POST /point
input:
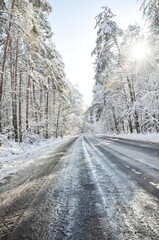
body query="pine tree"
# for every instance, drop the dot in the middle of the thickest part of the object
(33, 86)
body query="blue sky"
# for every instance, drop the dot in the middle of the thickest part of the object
(73, 23)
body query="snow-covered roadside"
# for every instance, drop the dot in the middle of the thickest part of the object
(148, 137)
(15, 157)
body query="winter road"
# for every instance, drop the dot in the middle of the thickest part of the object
(90, 187)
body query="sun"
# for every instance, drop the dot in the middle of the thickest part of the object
(139, 51)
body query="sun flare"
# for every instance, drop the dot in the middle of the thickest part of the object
(139, 51)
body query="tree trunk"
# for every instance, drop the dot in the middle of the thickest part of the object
(47, 113)
(3, 64)
(115, 120)
(133, 99)
(130, 90)
(20, 108)
(136, 119)
(27, 105)
(57, 121)
(14, 99)
(130, 125)
(35, 110)
(41, 108)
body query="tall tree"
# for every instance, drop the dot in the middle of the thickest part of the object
(124, 81)
(32, 77)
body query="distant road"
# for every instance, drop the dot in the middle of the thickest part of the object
(89, 188)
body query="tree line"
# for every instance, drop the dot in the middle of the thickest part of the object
(35, 95)
(126, 90)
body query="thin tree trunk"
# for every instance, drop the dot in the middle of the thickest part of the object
(3, 65)
(12, 79)
(130, 125)
(127, 106)
(27, 104)
(15, 117)
(35, 110)
(115, 120)
(47, 112)
(136, 119)
(57, 121)
(20, 108)
(41, 108)
(133, 98)
(130, 90)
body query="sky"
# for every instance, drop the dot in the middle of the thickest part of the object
(73, 24)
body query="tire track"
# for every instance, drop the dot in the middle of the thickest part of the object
(25, 189)
(132, 213)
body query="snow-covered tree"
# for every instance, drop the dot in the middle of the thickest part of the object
(125, 76)
(33, 85)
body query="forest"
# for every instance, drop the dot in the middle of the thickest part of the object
(36, 98)
(126, 90)
(67, 170)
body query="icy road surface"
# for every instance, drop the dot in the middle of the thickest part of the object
(88, 188)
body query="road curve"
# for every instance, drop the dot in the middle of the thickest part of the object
(90, 188)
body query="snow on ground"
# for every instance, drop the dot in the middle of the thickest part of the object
(15, 156)
(148, 137)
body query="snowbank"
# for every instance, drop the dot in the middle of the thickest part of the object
(148, 137)
(15, 156)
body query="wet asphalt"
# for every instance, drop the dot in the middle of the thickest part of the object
(83, 190)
